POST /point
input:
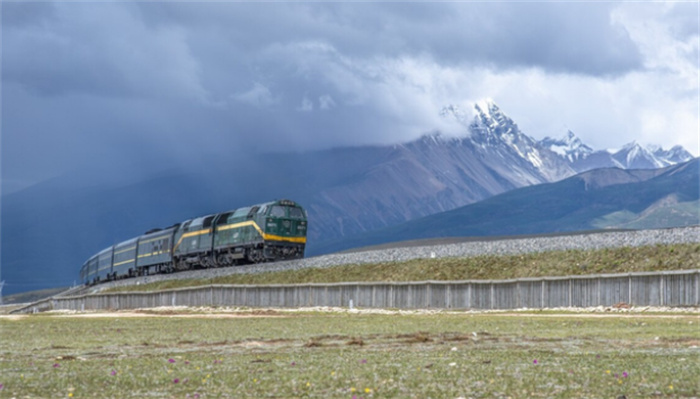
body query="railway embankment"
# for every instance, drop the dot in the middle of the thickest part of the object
(665, 288)
(468, 248)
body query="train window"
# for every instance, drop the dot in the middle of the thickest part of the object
(223, 218)
(196, 224)
(239, 213)
(207, 221)
(278, 211)
(252, 211)
(295, 213)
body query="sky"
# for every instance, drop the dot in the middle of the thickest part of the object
(159, 83)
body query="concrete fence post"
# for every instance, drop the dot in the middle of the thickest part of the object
(428, 295)
(543, 289)
(448, 296)
(629, 289)
(697, 288)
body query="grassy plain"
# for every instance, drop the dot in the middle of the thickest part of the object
(285, 354)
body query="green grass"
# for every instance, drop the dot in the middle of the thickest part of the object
(345, 355)
(555, 263)
(669, 215)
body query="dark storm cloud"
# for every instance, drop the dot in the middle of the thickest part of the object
(199, 49)
(564, 37)
(571, 37)
(179, 81)
(96, 49)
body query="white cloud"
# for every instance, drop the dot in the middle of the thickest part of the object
(258, 95)
(306, 105)
(651, 27)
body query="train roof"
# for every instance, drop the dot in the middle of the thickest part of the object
(157, 232)
(283, 202)
(246, 209)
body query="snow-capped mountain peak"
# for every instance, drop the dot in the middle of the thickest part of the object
(676, 154)
(499, 136)
(486, 114)
(486, 106)
(634, 156)
(490, 115)
(569, 147)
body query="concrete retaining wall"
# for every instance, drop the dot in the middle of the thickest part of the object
(673, 289)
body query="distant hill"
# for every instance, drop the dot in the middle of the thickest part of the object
(32, 296)
(602, 198)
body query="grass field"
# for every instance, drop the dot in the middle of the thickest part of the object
(274, 354)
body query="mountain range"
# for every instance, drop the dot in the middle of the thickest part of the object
(51, 228)
(436, 173)
(598, 199)
(632, 156)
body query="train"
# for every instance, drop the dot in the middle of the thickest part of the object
(265, 232)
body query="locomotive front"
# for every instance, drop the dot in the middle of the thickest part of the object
(284, 224)
(262, 233)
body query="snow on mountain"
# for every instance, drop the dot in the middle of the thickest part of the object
(569, 147)
(583, 158)
(676, 154)
(493, 130)
(552, 159)
(634, 156)
(596, 160)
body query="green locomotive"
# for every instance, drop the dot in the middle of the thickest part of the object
(261, 233)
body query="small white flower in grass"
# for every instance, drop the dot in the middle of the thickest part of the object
(453, 364)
